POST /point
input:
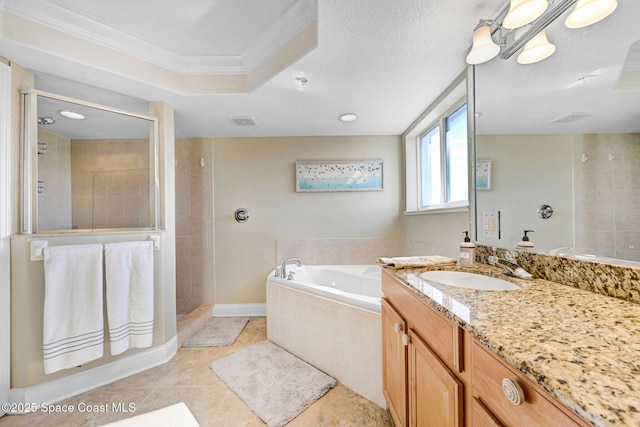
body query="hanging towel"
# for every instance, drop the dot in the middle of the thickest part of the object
(73, 328)
(416, 261)
(129, 277)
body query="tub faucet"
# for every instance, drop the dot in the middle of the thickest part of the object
(283, 269)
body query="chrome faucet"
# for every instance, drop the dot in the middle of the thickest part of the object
(283, 268)
(510, 268)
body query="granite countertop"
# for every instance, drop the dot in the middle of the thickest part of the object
(582, 347)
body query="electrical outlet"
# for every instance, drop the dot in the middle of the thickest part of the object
(491, 224)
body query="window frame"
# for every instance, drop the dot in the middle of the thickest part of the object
(441, 124)
(448, 102)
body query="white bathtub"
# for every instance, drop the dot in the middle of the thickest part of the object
(329, 316)
(353, 284)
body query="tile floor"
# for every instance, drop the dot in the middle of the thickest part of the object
(188, 378)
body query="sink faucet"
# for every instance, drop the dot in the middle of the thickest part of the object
(283, 268)
(510, 268)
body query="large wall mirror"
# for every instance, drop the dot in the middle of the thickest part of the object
(87, 166)
(563, 133)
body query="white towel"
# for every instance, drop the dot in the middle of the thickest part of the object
(416, 261)
(129, 277)
(73, 328)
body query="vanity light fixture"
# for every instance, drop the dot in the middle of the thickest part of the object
(537, 49)
(523, 12)
(348, 117)
(589, 12)
(484, 48)
(71, 114)
(523, 25)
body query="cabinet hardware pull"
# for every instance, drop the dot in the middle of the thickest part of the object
(405, 339)
(397, 327)
(512, 391)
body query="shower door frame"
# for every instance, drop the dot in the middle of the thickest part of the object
(5, 231)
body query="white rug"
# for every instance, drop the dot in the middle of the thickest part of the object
(276, 385)
(171, 416)
(217, 331)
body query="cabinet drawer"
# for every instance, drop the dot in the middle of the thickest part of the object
(440, 333)
(536, 409)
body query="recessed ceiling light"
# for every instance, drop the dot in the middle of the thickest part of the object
(348, 117)
(71, 115)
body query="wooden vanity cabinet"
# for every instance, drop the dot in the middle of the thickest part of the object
(435, 394)
(437, 375)
(536, 408)
(421, 351)
(394, 364)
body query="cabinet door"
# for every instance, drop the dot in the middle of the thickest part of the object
(481, 417)
(394, 363)
(435, 394)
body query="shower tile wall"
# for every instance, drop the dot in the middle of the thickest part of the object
(110, 181)
(607, 195)
(194, 224)
(54, 174)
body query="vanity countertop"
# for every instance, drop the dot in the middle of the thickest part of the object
(582, 347)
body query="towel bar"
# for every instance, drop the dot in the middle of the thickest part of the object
(156, 242)
(36, 249)
(37, 245)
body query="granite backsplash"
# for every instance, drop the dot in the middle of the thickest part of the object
(596, 276)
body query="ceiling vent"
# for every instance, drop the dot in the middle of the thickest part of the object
(570, 118)
(242, 120)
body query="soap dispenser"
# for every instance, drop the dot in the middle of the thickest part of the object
(525, 243)
(467, 252)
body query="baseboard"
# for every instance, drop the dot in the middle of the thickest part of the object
(233, 310)
(81, 382)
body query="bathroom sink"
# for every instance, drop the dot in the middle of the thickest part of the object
(461, 279)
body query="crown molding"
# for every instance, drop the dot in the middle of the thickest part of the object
(294, 20)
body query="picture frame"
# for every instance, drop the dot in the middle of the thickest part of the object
(483, 175)
(339, 175)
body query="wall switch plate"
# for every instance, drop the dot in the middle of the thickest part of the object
(490, 224)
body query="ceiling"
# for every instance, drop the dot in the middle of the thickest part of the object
(384, 60)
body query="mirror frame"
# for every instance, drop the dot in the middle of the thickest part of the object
(29, 181)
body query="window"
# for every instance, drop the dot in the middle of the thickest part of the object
(436, 159)
(442, 157)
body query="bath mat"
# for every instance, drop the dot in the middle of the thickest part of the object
(217, 331)
(174, 415)
(276, 385)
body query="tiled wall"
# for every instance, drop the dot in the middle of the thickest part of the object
(194, 224)
(337, 251)
(54, 176)
(607, 195)
(340, 339)
(110, 180)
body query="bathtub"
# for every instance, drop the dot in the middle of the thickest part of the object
(352, 284)
(329, 316)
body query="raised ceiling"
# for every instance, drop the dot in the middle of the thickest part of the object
(216, 60)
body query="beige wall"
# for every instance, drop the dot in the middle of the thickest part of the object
(434, 234)
(259, 174)
(516, 159)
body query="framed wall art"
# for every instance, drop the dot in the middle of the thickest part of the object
(339, 175)
(483, 175)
